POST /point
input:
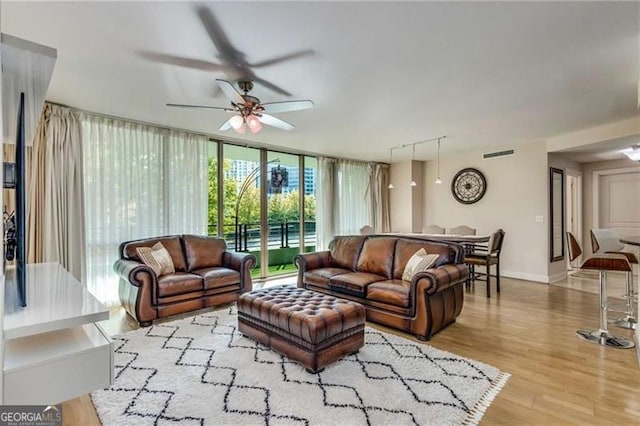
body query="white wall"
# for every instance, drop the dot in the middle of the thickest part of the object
(417, 196)
(516, 194)
(400, 197)
(558, 269)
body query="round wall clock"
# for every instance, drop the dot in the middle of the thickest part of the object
(468, 186)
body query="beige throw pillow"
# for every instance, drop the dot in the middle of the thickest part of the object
(157, 258)
(420, 261)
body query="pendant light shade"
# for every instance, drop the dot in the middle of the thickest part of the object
(413, 182)
(236, 122)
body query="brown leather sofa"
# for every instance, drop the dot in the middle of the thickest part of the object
(368, 270)
(206, 274)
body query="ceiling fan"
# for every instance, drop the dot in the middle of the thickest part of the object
(232, 62)
(249, 111)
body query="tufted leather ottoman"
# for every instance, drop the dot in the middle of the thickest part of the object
(312, 328)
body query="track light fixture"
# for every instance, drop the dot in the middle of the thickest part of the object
(413, 155)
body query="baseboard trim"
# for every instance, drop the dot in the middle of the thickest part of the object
(527, 277)
(557, 277)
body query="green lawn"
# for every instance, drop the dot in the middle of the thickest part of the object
(275, 270)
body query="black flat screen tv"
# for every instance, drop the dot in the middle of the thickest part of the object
(20, 189)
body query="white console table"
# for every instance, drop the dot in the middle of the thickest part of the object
(54, 351)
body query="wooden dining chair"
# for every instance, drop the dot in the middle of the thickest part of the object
(434, 229)
(487, 257)
(367, 230)
(462, 230)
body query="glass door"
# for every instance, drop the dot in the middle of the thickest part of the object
(283, 211)
(241, 201)
(309, 227)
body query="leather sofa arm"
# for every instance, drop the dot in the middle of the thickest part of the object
(308, 261)
(129, 269)
(137, 290)
(440, 278)
(243, 263)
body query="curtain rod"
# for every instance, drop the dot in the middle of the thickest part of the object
(213, 138)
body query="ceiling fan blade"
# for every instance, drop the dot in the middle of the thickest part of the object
(226, 125)
(216, 33)
(270, 120)
(272, 107)
(230, 91)
(200, 106)
(271, 86)
(283, 58)
(182, 61)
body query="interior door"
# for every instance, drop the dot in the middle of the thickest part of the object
(573, 204)
(619, 203)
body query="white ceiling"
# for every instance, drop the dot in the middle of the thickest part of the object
(383, 74)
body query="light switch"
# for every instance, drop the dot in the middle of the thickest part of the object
(539, 219)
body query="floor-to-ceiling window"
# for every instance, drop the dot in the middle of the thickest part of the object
(283, 211)
(212, 189)
(309, 194)
(271, 216)
(241, 200)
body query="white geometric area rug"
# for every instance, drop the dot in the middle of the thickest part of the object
(202, 371)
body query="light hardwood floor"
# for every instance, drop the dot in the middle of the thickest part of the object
(529, 332)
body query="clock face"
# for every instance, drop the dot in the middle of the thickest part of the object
(468, 186)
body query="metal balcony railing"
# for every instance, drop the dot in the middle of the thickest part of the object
(246, 236)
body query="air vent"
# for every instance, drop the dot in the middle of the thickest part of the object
(498, 154)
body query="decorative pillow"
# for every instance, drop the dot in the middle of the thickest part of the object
(157, 258)
(420, 261)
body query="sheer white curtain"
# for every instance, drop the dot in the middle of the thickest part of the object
(140, 181)
(187, 183)
(342, 199)
(124, 194)
(351, 212)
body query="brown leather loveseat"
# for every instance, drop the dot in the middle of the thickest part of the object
(206, 274)
(368, 269)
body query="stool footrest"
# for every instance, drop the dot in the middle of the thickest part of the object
(627, 322)
(603, 338)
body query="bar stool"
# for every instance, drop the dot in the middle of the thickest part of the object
(607, 241)
(601, 263)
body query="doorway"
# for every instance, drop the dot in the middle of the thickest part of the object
(573, 210)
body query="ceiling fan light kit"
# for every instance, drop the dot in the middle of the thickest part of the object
(249, 111)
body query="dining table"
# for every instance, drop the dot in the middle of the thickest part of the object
(446, 237)
(634, 240)
(469, 242)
